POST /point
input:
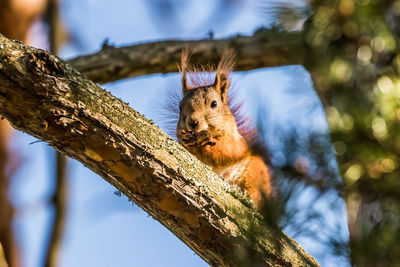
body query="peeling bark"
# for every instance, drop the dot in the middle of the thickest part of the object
(43, 96)
(265, 48)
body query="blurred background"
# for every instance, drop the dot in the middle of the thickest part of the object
(100, 226)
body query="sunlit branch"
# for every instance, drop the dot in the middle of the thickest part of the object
(265, 48)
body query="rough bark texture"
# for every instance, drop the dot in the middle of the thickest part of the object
(266, 48)
(46, 98)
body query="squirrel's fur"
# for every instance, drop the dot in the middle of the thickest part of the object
(211, 127)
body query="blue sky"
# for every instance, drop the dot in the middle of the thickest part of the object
(102, 228)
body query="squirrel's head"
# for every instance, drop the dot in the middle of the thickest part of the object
(205, 106)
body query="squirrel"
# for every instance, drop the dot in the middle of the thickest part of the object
(208, 129)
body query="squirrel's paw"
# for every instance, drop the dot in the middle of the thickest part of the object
(204, 138)
(186, 138)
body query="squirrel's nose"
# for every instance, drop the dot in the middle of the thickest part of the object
(193, 123)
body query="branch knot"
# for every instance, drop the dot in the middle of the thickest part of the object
(42, 61)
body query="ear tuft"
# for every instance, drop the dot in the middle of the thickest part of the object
(184, 68)
(224, 68)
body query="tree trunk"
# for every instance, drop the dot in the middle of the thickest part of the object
(357, 83)
(59, 198)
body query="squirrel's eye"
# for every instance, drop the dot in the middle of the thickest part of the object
(214, 104)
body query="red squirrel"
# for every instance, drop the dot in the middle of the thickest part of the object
(208, 129)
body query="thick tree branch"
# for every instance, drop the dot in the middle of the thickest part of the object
(46, 98)
(265, 48)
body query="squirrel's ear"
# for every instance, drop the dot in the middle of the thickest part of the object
(221, 84)
(224, 68)
(183, 68)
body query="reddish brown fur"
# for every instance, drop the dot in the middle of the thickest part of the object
(216, 133)
(200, 76)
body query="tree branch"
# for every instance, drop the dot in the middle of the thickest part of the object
(43, 96)
(265, 48)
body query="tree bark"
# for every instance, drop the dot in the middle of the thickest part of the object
(43, 96)
(265, 48)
